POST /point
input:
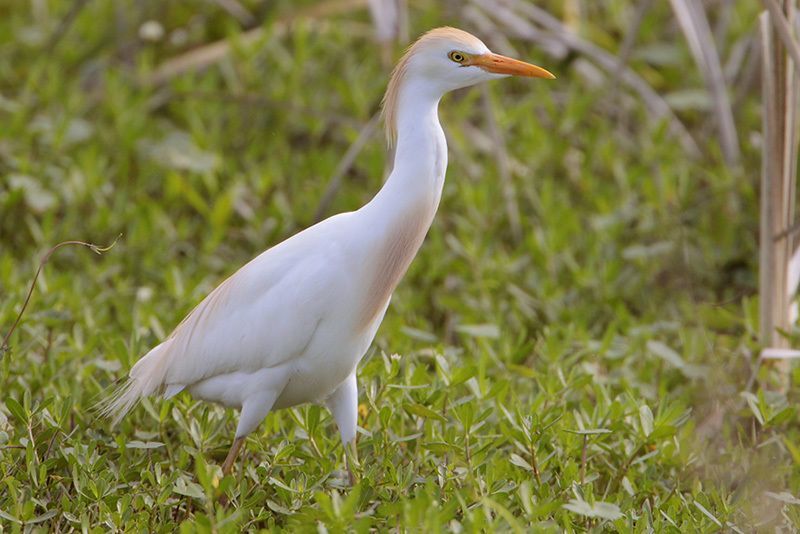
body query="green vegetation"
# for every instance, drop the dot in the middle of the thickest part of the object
(592, 368)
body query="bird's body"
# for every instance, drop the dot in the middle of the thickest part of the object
(291, 325)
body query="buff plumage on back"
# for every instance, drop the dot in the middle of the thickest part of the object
(392, 95)
(149, 375)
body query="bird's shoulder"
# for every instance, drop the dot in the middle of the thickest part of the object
(266, 310)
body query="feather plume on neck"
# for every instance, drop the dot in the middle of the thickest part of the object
(392, 96)
(391, 99)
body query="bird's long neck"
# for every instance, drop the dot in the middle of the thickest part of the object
(415, 183)
(401, 213)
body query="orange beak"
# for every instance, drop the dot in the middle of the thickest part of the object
(498, 64)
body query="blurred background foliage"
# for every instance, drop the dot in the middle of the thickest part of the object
(576, 336)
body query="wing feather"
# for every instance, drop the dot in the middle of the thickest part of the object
(263, 315)
(258, 318)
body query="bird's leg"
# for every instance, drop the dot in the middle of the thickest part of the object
(351, 460)
(232, 454)
(343, 404)
(254, 409)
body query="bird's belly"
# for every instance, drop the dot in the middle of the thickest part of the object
(311, 386)
(234, 388)
(330, 357)
(313, 379)
(326, 364)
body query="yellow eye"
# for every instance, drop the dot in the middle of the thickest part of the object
(458, 57)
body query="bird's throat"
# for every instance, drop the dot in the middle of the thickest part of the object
(392, 261)
(404, 208)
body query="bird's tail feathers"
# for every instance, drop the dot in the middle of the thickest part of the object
(146, 378)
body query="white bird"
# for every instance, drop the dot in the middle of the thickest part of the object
(291, 325)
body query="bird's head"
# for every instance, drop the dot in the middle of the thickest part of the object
(445, 59)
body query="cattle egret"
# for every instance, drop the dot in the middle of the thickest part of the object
(291, 326)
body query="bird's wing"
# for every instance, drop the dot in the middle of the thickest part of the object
(263, 315)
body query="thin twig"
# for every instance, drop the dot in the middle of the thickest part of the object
(624, 54)
(754, 372)
(629, 40)
(780, 23)
(503, 167)
(237, 11)
(206, 55)
(778, 182)
(534, 463)
(386, 19)
(65, 23)
(791, 230)
(95, 248)
(630, 37)
(367, 131)
(697, 30)
(623, 470)
(583, 458)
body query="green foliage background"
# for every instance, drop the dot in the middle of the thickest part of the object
(593, 372)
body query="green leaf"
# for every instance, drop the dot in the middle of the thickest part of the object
(602, 510)
(314, 413)
(178, 151)
(462, 374)
(646, 419)
(752, 402)
(783, 496)
(188, 488)
(666, 353)
(793, 449)
(707, 513)
(43, 517)
(275, 507)
(519, 461)
(503, 512)
(491, 331)
(782, 416)
(16, 409)
(136, 444)
(9, 517)
(423, 411)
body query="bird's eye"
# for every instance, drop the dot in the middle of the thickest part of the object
(458, 57)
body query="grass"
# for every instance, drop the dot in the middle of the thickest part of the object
(594, 372)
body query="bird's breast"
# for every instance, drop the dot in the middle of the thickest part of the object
(390, 261)
(330, 358)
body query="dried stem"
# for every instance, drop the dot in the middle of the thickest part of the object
(782, 25)
(207, 55)
(520, 19)
(583, 458)
(95, 248)
(534, 463)
(345, 164)
(778, 177)
(503, 166)
(65, 23)
(693, 21)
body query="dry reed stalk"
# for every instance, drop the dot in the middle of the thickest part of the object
(4, 347)
(778, 184)
(204, 56)
(500, 152)
(695, 26)
(529, 22)
(345, 164)
(390, 19)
